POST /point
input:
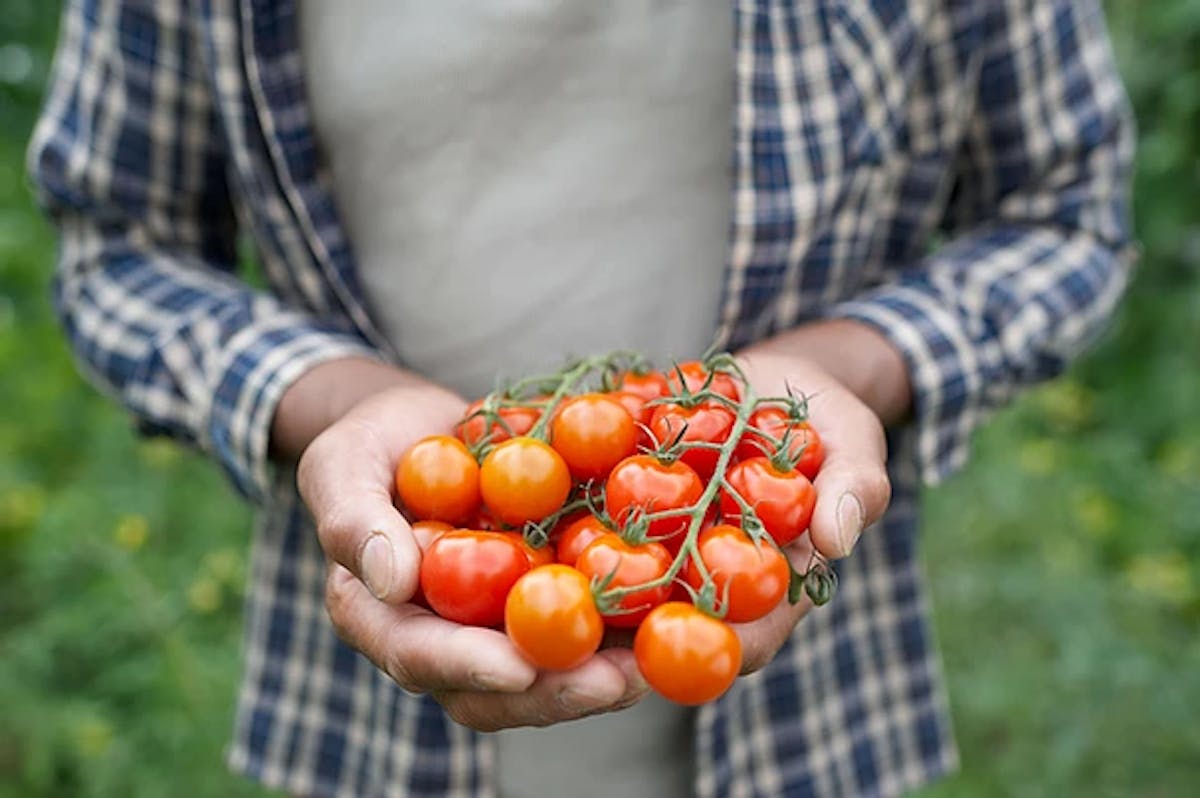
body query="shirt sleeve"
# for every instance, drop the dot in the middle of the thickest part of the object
(1039, 251)
(129, 162)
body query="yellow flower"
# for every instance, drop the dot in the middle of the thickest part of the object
(1179, 460)
(1039, 456)
(131, 532)
(160, 453)
(1065, 403)
(1164, 577)
(21, 506)
(1095, 511)
(93, 736)
(224, 565)
(204, 595)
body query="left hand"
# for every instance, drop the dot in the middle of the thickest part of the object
(853, 489)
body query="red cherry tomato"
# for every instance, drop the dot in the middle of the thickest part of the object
(649, 385)
(755, 578)
(694, 376)
(474, 428)
(636, 406)
(551, 618)
(642, 484)
(578, 536)
(629, 566)
(437, 479)
(782, 500)
(466, 575)
(707, 422)
(805, 443)
(523, 479)
(687, 656)
(593, 432)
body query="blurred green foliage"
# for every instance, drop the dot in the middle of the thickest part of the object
(1065, 561)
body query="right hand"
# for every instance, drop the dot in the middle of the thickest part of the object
(345, 478)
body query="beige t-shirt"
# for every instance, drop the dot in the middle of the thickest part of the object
(521, 182)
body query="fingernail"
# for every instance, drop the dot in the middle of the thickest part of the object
(586, 699)
(849, 521)
(377, 564)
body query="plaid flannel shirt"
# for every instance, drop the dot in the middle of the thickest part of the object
(954, 174)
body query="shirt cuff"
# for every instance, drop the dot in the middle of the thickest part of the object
(259, 363)
(943, 364)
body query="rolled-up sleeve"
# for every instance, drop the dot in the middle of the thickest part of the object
(129, 161)
(1040, 248)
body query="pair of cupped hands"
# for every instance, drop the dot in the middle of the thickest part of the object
(349, 420)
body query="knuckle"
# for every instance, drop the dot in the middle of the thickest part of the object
(337, 596)
(461, 710)
(400, 671)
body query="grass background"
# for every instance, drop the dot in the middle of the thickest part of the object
(1065, 561)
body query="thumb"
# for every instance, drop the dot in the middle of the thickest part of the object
(345, 479)
(853, 489)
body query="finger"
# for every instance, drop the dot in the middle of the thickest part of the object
(853, 489)
(345, 478)
(418, 650)
(606, 682)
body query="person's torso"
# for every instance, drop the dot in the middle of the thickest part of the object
(520, 185)
(526, 182)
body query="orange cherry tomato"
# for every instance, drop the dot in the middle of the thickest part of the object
(437, 479)
(523, 479)
(551, 618)
(687, 656)
(593, 432)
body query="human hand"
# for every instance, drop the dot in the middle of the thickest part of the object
(345, 478)
(853, 489)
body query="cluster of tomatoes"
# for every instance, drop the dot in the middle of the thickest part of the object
(613, 496)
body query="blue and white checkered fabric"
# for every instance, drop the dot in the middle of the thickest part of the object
(953, 173)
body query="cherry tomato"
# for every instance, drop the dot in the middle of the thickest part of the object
(543, 555)
(649, 385)
(805, 443)
(782, 500)
(629, 566)
(578, 536)
(437, 479)
(474, 428)
(523, 479)
(593, 432)
(687, 656)
(425, 532)
(551, 618)
(694, 375)
(634, 405)
(707, 422)
(755, 578)
(644, 484)
(466, 575)
(486, 521)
